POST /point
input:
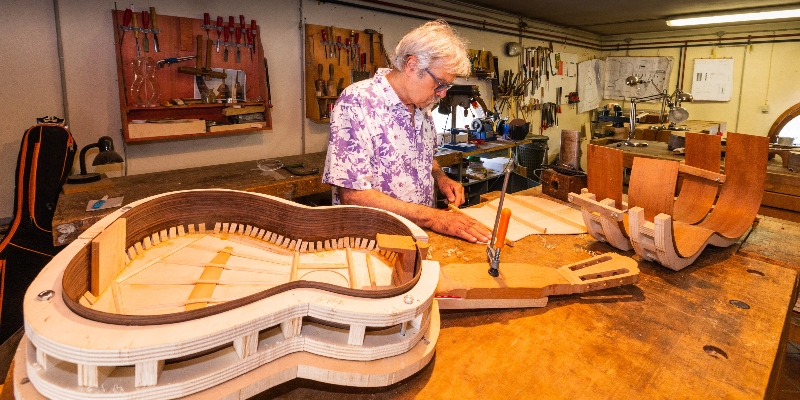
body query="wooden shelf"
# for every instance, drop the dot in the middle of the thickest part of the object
(178, 38)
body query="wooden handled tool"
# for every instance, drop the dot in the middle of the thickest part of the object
(153, 17)
(467, 286)
(146, 26)
(219, 31)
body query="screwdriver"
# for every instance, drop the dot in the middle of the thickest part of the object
(155, 30)
(207, 24)
(219, 30)
(146, 26)
(136, 33)
(126, 20)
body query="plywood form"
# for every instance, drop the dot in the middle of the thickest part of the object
(697, 195)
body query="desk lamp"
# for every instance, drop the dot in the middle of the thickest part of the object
(107, 155)
(676, 115)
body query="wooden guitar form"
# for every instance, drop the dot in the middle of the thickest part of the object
(149, 304)
(468, 286)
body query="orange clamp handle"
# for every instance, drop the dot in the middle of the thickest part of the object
(505, 217)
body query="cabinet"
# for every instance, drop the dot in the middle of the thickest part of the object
(187, 37)
(334, 64)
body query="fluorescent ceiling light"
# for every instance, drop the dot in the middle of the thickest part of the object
(719, 19)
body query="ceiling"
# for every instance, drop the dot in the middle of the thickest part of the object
(617, 17)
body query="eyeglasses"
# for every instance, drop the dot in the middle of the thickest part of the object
(441, 86)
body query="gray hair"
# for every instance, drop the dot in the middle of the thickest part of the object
(434, 44)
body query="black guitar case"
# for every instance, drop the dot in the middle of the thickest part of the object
(45, 161)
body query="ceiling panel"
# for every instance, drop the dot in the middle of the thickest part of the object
(614, 17)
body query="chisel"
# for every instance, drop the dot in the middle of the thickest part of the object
(347, 49)
(226, 36)
(253, 30)
(325, 44)
(156, 47)
(146, 26)
(136, 33)
(238, 32)
(126, 19)
(219, 31)
(338, 46)
(244, 30)
(207, 25)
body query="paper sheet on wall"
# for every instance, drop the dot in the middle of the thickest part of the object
(590, 84)
(617, 69)
(713, 79)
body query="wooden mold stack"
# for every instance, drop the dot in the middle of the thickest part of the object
(148, 303)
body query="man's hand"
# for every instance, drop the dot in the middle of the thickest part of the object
(460, 225)
(453, 190)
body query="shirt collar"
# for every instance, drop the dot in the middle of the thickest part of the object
(389, 95)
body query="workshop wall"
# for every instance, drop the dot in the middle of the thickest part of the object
(32, 85)
(92, 91)
(764, 74)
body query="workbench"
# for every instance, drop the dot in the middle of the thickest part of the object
(672, 335)
(71, 218)
(781, 187)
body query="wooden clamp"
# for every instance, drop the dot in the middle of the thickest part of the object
(205, 71)
(468, 286)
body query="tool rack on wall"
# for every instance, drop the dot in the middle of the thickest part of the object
(178, 37)
(315, 47)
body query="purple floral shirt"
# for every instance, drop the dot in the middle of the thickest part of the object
(373, 144)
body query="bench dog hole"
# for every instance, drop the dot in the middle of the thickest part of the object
(715, 351)
(740, 304)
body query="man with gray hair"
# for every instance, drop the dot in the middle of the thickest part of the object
(382, 141)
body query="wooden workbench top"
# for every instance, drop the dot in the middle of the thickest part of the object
(672, 335)
(71, 217)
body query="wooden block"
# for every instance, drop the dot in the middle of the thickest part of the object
(108, 256)
(229, 111)
(132, 252)
(191, 229)
(117, 295)
(155, 239)
(181, 231)
(248, 230)
(304, 247)
(146, 373)
(292, 245)
(92, 375)
(292, 327)
(246, 345)
(295, 265)
(138, 247)
(240, 230)
(286, 242)
(226, 226)
(328, 245)
(319, 246)
(298, 245)
(201, 228)
(236, 127)
(558, 185)
(147, 130)
(406, 248)
(356, 336)
(371, 272)
(261, 234)
(173, 232)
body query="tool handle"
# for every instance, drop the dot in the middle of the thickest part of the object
(126, 18)
(324, 36)
(153, 17)
(226, 33)
(206, 20)
(505, 217)
(238, 32)
(231, 23)
(219, 23)
(199, 51)
(135, 26)
(347, 45)
(145, 20)
(355, 38)
(241, 22)
(253, 27)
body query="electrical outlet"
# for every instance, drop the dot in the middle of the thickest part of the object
(765, 108)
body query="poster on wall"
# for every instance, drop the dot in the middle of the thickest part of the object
(713, 79)
(590, 84)
(647, 69)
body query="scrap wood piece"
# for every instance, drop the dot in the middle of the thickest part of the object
(521, 284)
(108, 256)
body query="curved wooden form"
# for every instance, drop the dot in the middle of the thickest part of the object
(781, 121)
(697, 194)
(468, 286)
(101, 355)
(604, 219)
(676, 244)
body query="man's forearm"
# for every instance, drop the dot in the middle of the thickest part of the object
(421, 215)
